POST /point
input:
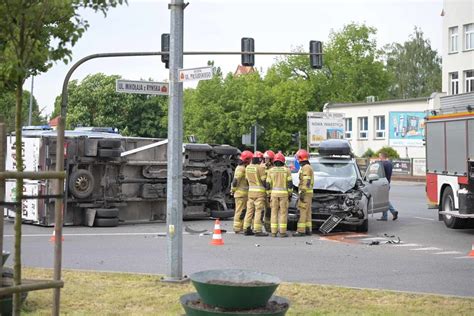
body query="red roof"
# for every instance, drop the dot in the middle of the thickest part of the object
(54, 121)
(243, 70)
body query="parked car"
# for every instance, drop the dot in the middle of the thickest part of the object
(340, 190)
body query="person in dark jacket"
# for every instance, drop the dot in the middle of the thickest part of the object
(388, 167)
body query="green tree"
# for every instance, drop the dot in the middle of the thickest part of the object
(414, 67)
(33, 35)
(7, 108)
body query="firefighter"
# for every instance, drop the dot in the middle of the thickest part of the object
(305, 192)
(240, 189)
(256, 177)
(269, 156)
(280, 185)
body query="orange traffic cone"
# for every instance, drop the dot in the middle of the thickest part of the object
(217, 235)
(53, 237)
(471, 254)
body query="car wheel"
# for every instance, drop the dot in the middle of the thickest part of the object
(109, 153)
(81, 183)
(110, 143)
(107, 212)
(106, 222)
(364, 227)
(292, 225)
(447, 205)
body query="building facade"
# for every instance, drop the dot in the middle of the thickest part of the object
(395, 123)
(458, 46)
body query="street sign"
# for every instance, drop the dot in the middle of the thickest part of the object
(202, 73)
(141, 87)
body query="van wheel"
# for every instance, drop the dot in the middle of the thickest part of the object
(81, 183)
(106, 212)
(447, 204)
(106, 222)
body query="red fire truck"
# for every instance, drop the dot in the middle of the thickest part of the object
(450, 160)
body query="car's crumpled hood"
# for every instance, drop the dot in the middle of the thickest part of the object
(334, 183)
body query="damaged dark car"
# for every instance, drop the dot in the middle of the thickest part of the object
(342, 196)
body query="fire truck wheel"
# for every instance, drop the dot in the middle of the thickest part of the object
(110, 143)
(81, 183)
(447, 205)
(109, 153)
(106, 212)
(106, 222)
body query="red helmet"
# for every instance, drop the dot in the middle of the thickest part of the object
(269, 154)
(279, 157)
(302, 155)
(246, 156)
(258, 154)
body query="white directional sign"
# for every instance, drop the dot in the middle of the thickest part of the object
(203, 73)
(141, 87)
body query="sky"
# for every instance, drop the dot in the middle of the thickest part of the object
(213, 25)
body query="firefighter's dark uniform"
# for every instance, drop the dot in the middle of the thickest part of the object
(255, 175)
(305, 190)
(279, 181)
(240, 189)
(268, 206)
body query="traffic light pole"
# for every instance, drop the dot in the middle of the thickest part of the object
(174, 205)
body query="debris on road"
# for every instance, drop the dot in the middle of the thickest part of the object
(257, 245)
(206, 233)
(309, 242)
(193, 231)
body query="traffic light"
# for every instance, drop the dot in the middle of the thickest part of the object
(248, 45)
(165, 47)
(316, 61)
(295, 138)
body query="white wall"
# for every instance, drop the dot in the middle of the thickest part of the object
(456, 13)
(356, 110)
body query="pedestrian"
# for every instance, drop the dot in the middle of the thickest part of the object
(240, 190)
(305, 194)
(268, 156)
(280, 185)
(256, 177)
(388, 167)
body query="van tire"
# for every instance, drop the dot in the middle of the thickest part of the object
(106, 222)
(110, 143)
(106, 212)
(81, 183)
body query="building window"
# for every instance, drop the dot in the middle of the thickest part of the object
(469, 81)
(453, 83)
(348, 128)
(379, 127)
(363, 127)
(469, 36)
(453, 39)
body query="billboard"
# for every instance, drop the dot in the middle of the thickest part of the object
(406, 129)
(323, 125)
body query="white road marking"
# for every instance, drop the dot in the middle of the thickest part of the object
(426, 249)
(407, 245)
(464, 257)
(374, 238)
(448, 253)
(159, 234)
(425, 218)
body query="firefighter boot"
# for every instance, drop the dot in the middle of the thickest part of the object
(249, 232)
(283, 235)
(298, 234)
(308, 231)
(261, 234)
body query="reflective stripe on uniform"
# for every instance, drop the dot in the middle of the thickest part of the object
(257, 189)
(283, 225)
(274, 225)
(301, 225)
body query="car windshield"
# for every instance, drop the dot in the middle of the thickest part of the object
(330, 169)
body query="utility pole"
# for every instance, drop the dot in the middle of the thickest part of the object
(31, 100)
(174, 205)
(299, 140)
(255, 129)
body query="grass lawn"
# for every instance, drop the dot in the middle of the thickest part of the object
(99, 293)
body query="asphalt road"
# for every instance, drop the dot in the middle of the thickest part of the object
(430, 258)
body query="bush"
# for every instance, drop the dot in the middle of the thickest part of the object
(368, 153)
(391, 153)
